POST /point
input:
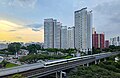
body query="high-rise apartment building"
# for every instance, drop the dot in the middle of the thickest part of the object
(57, 29)
(98, 40)
(64, 37)
(48, 33)
(102, 40)
(71, 37)
(51, 33)
(83, 30)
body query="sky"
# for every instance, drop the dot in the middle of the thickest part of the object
(22, 20)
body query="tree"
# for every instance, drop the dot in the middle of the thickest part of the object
(33, 58)
(38, 47)
(14, 47)
(112, 47)
(92, 72)
(32, 49)
(4, 63)
(96, 51)
(23, 47)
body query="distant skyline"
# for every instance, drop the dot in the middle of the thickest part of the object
(22, 20)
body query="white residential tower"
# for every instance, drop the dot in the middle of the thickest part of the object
(83, 30)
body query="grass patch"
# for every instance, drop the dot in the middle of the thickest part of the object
(9, 65)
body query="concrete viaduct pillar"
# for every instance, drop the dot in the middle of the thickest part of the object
(60, 74)
(95, 61)
(104, 59)
(98, 61)
(83, 64)
(87, 64)
(57, 75)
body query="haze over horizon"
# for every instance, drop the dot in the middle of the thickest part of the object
(22, 20)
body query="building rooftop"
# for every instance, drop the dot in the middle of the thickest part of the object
(81, 9)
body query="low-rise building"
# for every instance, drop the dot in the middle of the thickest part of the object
(106, 43)
(115, 41)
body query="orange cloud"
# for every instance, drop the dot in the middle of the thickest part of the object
(10, 31)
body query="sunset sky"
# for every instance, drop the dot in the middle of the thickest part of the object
(22, 20)
(10, 31)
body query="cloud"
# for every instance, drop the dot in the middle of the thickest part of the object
(21, 3)
(11, 26)
(35, 27)
(18, 37)
(11, 30)
(108, 8)
(28, 3)
(107, 17)
(3, 41)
